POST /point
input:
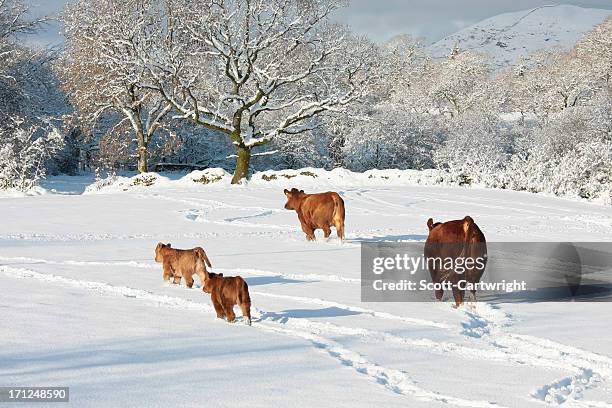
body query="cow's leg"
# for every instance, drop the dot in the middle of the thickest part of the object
(177, 279)
(217, 304)
(326, 231)
(167, 271)
(228, 308)
(246, 312)
(435, 280)
(189, 280)
(439, 293)
(202, 276)
(309, 231)
(458, 295)
(340, 229)
(471, 300)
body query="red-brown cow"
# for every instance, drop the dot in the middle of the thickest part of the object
(226, 292)
(317, 211)
(458, 240)
(182, 263)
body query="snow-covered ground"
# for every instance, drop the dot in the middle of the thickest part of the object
(83, 303)
(510, 36)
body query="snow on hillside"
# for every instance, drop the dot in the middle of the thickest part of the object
(509, 36)
(83, 303)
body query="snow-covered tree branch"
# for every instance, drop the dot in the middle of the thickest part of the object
(16, 59)
(255, 69)
(99, 69)
(24, 152)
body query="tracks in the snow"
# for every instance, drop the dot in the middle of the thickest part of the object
(587, 368)
(487, 324)
(393, 379)
(150, 265)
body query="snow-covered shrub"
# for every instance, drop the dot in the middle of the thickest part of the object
(144, 179)
(586, 171)
(391, 137)
(476, 151)
(289, 151)
(213, 175)
(102, 183)
(571, 154)
(207, 179)
(24, 151)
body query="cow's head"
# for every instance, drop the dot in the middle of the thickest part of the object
(293, 198)
(209, 281)
(159, 256)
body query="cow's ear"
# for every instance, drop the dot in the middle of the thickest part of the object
(286, 191)
(302, 191)
(169, 245)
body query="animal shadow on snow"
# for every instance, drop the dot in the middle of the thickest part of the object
(284, 315)
(391, 238)
(585, 292)
(269, 280)
(253, 281)
(114, 355)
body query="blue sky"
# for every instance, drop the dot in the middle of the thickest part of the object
(381, 19)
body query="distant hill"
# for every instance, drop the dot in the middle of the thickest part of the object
(507, 37)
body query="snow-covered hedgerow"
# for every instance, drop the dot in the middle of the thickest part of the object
(24, 151)
(316, 179)
(309, 177)
(195, 179)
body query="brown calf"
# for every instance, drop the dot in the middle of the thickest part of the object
(226, 292)
(455, 239)
(182, 263)
(317, 211)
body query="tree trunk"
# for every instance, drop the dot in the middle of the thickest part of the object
(142, 158)
(242, 164)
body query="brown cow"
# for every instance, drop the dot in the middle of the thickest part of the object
(317, 211)
(458, 239)
(226, 292)
(182, 263)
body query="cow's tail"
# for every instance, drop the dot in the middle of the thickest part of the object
(202, 255)
(475, 247)
(244, 299)
(468, 230)
(338, 217)
(243, 293)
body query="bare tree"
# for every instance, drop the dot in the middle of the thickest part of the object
(27, 138)
(254, 69)
(13, 22)
(15, 67)
(555, 80)
(99, 68)
(457, 84)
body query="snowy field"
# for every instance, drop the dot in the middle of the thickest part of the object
(83, 303)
